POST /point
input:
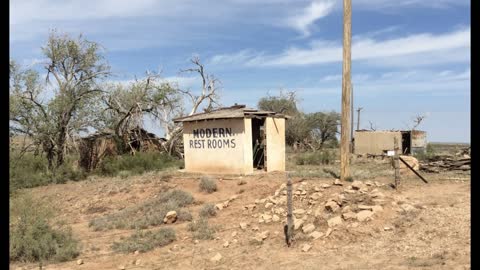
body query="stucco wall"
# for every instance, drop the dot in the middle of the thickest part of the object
(376, 142)
(275, 129)
(218, 146)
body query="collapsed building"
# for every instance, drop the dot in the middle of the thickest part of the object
(380, 142)
(234, 140)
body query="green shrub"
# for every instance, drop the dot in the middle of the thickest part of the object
(323, 157)
(31, 170)
(145, 241)
(208, 210)
(139, 163)
(184, 215)
(32, 238)
(201, 230)
(207, 185)
(149, 213)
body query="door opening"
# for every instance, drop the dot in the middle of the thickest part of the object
(406, 143)
(259, 143)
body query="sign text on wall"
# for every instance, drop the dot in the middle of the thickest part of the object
(212, 138)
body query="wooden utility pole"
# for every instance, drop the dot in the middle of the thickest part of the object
(358, 117)
(345, 132)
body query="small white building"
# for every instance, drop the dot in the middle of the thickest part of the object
(234, 140)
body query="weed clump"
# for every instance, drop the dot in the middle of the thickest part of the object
(208, 210)
(201, 229)
(145, 241)
(207, 185)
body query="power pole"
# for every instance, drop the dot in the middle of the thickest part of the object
(345, 132)
(358, 117)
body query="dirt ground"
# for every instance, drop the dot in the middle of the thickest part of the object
(434, 236)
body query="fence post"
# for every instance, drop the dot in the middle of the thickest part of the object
(396, 163)
(289, 227)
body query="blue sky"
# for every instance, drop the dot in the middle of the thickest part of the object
(409, 57)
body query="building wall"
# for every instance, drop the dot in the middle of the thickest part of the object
(275, 129)
(376, 142)
(218, 146)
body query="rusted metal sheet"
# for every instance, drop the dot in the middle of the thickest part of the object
(419, 139)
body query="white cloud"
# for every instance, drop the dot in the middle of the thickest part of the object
(416, 49)
(316, 10)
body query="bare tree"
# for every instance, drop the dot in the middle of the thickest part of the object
(126, 106)
(418, 120)
(208, 91)
(208, 96)
(75, 66)
(372, 126)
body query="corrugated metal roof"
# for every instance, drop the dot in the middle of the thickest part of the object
(236, 111)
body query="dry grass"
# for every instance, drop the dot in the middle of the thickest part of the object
(207, 185)
(145, 241)
(201, 229)
(149, 213)
(208, 210)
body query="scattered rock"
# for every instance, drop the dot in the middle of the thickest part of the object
(299, 211)
(364, 215)
(264, 235)
(275, 218)
(365, 207)
(121, 267)
(267, 218)
(225, 204)
(308, 228)
(255, 228)
(349, 191)
(80, 262)
(196, 241)
(315, 235)
(233, 197)
(137, 262)
(243, 225)
(334, 221)
(337, 182)
(369, 183)
(316, 196)
(226, 244)
(349, 215)
(136, 252)
(219, 206)
(234, 233)
(297, 224)
(377, 209)
(306, 247)
(317, 189)
(329, 231)
(170, 217)
(355, 224)
(346, 209)
(377, 194)
(357, 185)
(332, 206)
(386, 228)
(407, 207)
(268, 205)
(216, 258)
(324, 185)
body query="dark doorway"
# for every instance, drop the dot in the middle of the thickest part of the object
(258, 143)
(406, 143)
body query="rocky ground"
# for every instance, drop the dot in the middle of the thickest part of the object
(338, 225)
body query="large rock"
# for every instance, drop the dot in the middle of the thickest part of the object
(412, 161)
(315, 235)
(335, 221)
(364, 215)
(349, 215)
(216, 258)
(170, 217)
(357, 185)
(332, 206)
(297, 224)
(308, 228)
(306, 247)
